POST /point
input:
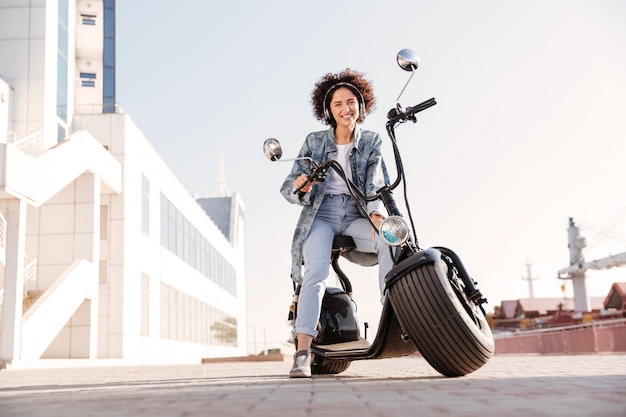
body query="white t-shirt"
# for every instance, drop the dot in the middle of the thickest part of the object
(335, 184)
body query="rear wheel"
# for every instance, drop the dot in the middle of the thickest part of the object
(450, 331)
(321, 366)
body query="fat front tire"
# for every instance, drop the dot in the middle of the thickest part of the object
(450, 331)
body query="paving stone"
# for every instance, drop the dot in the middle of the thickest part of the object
(509, 385)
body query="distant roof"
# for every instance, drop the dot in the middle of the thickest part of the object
(616, 297)
(544, 306)
(509, 309)
(218, 209)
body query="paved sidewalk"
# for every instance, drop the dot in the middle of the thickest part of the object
(577, 385)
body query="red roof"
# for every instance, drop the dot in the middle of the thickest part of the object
(543, 306)
(616, 297)
(508, 309)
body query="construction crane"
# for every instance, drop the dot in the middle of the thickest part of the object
(578, 266)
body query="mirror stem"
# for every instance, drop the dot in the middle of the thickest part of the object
(404, 88)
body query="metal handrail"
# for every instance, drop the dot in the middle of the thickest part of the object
(30, 265)
(595, 324)
(31, 143)
(3, 231)
(30, 269)
(97, 108)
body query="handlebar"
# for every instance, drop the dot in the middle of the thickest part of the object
(396, 115)
(318, 173)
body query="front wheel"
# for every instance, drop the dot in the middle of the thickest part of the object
(450, 331)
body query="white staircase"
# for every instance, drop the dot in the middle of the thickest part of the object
(43, 321)
(31, 175)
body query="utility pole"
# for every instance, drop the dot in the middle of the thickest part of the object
(530, 279)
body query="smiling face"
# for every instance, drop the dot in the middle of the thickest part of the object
(344, 107)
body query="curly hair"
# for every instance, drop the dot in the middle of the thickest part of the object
(328, 81)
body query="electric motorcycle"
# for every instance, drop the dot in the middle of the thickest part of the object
(431, 305)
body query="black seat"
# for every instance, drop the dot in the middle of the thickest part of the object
(343, 243)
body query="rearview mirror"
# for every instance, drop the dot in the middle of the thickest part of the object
(272, 149)
(408, 60)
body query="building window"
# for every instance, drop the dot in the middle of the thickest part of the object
(188, 319)
(61, 132)
(103, 272)
(104, 222)
(145, 204)
(145, 305)
(181, 238)
(108, 82)
(88, 19)
(88, 79)
(62, 67)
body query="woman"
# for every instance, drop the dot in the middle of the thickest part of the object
(341, 101)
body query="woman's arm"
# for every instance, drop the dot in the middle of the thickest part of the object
(299, 168)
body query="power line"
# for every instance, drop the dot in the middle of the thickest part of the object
(607, 232)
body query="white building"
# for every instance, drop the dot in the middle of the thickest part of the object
(103, 253)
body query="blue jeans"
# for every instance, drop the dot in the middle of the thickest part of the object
(337, 215)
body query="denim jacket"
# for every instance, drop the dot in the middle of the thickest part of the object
(369, 174)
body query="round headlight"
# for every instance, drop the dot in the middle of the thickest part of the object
(394, 230)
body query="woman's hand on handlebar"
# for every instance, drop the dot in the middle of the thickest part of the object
(303, 179)
(377, 219)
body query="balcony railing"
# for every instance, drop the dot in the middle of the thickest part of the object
(97, 108)
(3, 232)
(29, 143)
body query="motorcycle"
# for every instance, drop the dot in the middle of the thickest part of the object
(431, 306)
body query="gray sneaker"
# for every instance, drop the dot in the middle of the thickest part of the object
(301, 365)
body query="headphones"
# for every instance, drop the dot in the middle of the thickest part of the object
(327, 97)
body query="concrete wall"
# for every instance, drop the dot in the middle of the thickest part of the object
(593, 338)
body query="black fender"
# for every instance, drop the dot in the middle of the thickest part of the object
(415, 261)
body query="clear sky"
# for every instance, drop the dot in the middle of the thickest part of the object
(529, 129)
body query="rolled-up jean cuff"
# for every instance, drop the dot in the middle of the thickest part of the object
(309, 332)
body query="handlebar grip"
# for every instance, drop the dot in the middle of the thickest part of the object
(422, 106)
(396, 114)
